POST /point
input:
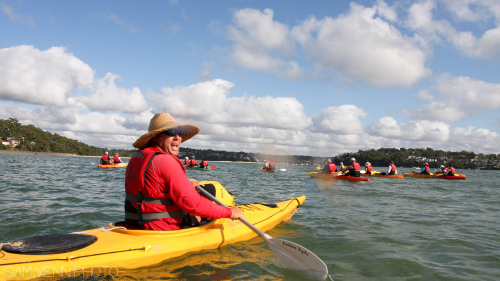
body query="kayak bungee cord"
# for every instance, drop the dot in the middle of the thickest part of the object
(102, 229)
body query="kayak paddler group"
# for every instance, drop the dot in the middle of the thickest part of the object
(159, 196)
(105, 160)
(193, 163)
(269, 166)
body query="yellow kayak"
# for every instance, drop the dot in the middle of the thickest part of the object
(111, 249)
(119, 165)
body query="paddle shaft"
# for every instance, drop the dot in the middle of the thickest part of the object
(251, 226)
(293, 256)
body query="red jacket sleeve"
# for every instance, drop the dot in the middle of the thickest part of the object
(182, 192)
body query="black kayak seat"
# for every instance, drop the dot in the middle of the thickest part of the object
(49, 244)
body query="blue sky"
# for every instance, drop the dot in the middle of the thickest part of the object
(283, 77)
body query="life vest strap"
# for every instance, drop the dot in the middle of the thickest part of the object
(154, 216)
(149, 200)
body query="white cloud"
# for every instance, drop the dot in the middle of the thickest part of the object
(107, 96)
(423, 130)
(41, 77)
(460, 97)
(487, 47)
(342, 120)
(7, 10)
(473, 10)
(210, 102)
(478, 140)
(256, 36)
(363, 47)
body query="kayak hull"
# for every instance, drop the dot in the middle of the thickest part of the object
(349, 178)
(320, 176)
(198, 168)
(120, 165)
(116, 249)
(432, 176)
(269, 171)
(383, 176)
(334, 176)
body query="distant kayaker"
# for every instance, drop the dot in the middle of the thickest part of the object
(193, 162)
(329, 167)
(204, 164)
(272, 166)
(117, 159)
(353, 168)
(451, 170)
(341, 167)
(105, 159)
(186, 161)
(266, 165)
(442, 171)
(159, 196)
(391, 170)
(426, 170)
(368, 168)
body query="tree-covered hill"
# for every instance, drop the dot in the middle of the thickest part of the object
(36, 140)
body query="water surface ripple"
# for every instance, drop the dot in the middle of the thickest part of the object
(385, 229)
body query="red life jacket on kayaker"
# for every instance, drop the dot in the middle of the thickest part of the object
(186, 161)
(355, 170)
(369, 169)
(356, 166)
(193, 162)
(427, 168)
(271, 166)
(204, 163)
(333, 167)
(451, 169)
(116, 159)
(394, 170)
(105, 159)
(144, 202)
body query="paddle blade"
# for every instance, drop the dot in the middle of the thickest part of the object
(213, 167)
(298, 259)
(283, 170)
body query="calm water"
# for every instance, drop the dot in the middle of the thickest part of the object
(385, 229)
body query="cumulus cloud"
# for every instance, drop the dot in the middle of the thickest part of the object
(41, 77)
(475, 139)
(423, 130)
(107, 96)
(257, 36)
(487, 47)
(342, 120)
(210, 102)
(363, 47)
(459, 97)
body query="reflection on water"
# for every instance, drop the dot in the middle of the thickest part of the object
(399, 229)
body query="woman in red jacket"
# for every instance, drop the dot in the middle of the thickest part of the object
(158, 194)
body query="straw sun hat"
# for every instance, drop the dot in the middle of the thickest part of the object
(368, 164)
(162, 122)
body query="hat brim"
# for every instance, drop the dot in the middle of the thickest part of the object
(188, 131)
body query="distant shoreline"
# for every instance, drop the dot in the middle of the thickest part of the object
(76, 155)
(42, 153)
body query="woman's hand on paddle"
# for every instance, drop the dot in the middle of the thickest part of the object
(195, 182)
(236, 213)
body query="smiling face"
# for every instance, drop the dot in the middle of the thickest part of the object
(168, 144)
